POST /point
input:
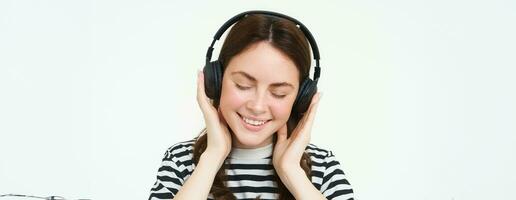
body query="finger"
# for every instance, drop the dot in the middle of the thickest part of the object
(282, 134)
(207, 109)
(306, 121)
(221, 117)
(310, 116)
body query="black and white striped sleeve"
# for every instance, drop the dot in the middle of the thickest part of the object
(175, 168)
(335, 186)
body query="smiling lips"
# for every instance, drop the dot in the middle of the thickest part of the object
(253, 124)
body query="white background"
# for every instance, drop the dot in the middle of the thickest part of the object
(419, 98)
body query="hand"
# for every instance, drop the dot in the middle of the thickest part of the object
(219, 138)
(288, 151)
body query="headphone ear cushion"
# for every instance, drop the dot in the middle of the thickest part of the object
(304, 96)
(212, 79)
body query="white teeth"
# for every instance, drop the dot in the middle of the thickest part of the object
(253, 122)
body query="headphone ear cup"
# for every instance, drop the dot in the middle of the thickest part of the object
(213, 79)
(304, 96)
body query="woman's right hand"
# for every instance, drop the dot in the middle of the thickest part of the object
(219, 138)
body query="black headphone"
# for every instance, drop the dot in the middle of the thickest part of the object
(213, 69)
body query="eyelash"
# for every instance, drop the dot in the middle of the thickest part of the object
(246, 88)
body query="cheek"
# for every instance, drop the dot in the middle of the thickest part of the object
(231, 98)
(281, 110)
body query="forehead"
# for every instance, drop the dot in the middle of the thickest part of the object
(265, 63)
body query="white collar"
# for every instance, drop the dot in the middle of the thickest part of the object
(257, 153)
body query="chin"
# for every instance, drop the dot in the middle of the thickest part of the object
(250, 140)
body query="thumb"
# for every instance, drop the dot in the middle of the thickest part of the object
(282, 134)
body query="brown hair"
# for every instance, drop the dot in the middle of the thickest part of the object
(285, 36)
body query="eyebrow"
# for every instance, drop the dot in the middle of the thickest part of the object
(248, 76)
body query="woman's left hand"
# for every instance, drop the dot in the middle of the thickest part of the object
(288, 151)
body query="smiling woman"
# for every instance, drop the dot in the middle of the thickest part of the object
(251, 93)
(256, 144)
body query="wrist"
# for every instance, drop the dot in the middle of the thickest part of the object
(289, 172)
(291, 177)
(286, 170)
(212, 159)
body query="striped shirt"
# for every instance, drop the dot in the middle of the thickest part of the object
(250, 173)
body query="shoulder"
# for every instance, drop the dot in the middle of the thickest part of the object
(323, 160)
(327, 173)
(176, 166)
(318, 152)
(322, 157)
(180, 153)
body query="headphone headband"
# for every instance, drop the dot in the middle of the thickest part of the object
(306, 32)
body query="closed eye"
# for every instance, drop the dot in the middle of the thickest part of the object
(242, 87)
(279, 96)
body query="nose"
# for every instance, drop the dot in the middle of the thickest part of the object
(257, 103)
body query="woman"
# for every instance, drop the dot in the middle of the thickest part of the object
(256, 141)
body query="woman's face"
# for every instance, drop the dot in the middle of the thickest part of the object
(259, 87)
